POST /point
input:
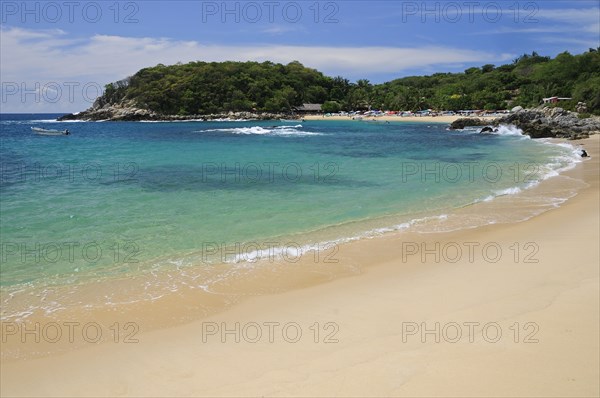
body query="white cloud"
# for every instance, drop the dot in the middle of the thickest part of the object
(282, 29)
(575, 16)
(567, 21)
(51, 56)
(581, 43)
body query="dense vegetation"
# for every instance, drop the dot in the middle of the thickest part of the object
(203, 88)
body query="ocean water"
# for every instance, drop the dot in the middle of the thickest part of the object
(119, 198)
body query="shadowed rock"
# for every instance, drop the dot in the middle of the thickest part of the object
(463, 122)
(124, 113)
(551, 122)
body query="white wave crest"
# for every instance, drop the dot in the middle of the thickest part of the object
(508, 191)
(406, 225)
(171, 121)
(227, 119)
(502, 192)
(509, 130)
(258, 130)
(296, 251)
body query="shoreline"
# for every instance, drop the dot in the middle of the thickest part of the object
(91, 299)
(402, 119)
(282, 118)
(364, 306)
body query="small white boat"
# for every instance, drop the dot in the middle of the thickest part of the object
(42, 131)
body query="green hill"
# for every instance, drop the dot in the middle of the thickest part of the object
(204, 88)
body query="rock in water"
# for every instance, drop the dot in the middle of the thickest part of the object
(551, 122)
(463, 122)
(486, 129)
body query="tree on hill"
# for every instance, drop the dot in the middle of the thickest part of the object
(203, 88)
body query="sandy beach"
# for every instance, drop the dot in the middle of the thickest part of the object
(390, 118)
(501, 310)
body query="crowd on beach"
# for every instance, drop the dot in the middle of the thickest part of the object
(422, 113)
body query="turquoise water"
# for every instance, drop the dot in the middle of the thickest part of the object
(117, 198)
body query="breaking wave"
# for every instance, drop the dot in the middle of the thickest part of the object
(284, 131)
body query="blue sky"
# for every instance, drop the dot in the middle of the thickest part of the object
(55, 55)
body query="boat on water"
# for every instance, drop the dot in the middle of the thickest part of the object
(42, 131)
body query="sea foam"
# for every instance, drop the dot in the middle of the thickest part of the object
(258, 130)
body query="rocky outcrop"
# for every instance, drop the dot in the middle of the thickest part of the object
(551, 122)
(581, 107)
(539, 122)
(129, 112)
(112, 113)
(463, 122)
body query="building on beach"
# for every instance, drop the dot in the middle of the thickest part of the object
(554, 100)
(308, 108)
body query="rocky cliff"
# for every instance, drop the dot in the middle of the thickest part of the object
(128, 111)
(552, 122)
(541, 122)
